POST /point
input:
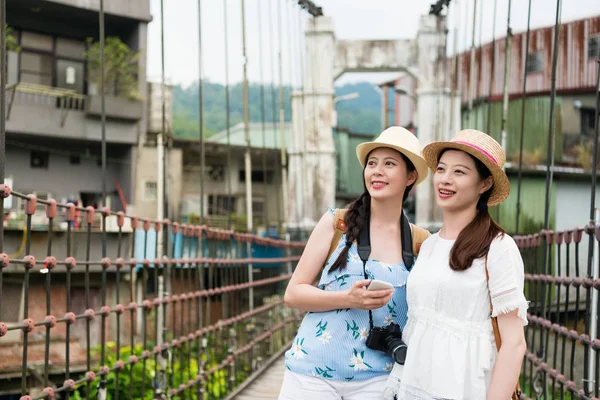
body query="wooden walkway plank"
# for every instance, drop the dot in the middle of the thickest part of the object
(268, 385)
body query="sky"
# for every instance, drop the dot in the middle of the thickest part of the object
(352, 19)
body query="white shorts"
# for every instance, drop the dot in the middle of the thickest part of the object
(302, 387)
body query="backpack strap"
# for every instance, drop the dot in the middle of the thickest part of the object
(418, 237)
(339, 228)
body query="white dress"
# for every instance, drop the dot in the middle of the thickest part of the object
(451, 347)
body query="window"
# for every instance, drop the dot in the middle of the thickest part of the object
(150, 190)
(69, 48)
(587, 122)
(74, 160)
(37, 41)
(39, 159)
(36, 68)
(594, 47)
(220, 205)
(69, 75)
(258, 208)
(257, 176)
(534, 62)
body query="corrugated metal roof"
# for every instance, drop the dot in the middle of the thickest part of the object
(575, 70)
(271, 133)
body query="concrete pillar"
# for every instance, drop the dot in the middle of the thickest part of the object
(296, 165)
(313, 131)
(433, 116)
(433, 108)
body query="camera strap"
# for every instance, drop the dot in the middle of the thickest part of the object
(364, 251)
(364, 248)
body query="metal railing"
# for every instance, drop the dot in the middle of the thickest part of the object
(192, 326)
(563, 333)
(30, 93)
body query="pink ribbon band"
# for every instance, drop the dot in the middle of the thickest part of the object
(488, 155)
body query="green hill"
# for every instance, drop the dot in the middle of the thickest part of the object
(360, 115)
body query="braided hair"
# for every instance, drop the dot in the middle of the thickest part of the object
(359, 213)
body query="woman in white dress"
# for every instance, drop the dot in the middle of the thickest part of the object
(452, 352)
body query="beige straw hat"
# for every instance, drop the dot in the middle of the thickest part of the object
(484, 148)
(401, 140)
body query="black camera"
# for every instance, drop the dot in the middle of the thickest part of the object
(389, 340)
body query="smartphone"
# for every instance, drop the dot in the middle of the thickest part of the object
(379, 285)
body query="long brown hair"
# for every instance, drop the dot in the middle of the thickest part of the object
(359, 212)
(475, 239)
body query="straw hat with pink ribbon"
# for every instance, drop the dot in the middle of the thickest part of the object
(484, 148)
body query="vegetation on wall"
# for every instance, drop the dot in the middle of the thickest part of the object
(12, 43)
(120, 68)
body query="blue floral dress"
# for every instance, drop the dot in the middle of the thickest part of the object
(331, 344)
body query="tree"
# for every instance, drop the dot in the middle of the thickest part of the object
(120, 67)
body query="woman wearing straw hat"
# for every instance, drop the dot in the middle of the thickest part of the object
(463, 271)
(329, 357)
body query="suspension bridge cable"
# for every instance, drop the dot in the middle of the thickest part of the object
(480, 106)
(549, 176)
(283, 156)
(493, 70)
(205, 317)
(454, 79)
(290, 52)
(507, 53)
(247, 155)
(291, 48)
(230, 200)
(273, 101)
(472, 67)
(3, 72)
(102, 123)
(102, 382)
(301, 50)
(592, 209)
(262, 114)
(523, 103)
(201, 113)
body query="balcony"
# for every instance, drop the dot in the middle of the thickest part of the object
(115, 107)
(55, 112)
